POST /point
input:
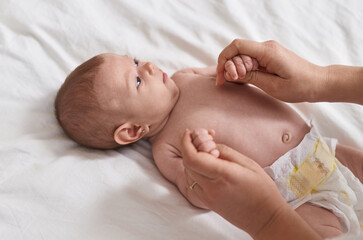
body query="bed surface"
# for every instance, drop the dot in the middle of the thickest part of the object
(51, 188)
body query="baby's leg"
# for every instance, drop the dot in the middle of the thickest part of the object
(323, 221)
(352, 158)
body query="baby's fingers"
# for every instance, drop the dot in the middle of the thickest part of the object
(241, 69)
(230, 70)
(208, 146)
(247, 61)
(199, 136)
(251, 64)
(203, 141)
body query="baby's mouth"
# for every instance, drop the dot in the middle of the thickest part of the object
(165, 77)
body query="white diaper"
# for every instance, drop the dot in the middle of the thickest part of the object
(311, 173)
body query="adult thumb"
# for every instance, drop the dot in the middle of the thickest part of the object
(268, 82)
(229, 154)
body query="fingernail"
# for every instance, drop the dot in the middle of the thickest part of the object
(215, 153)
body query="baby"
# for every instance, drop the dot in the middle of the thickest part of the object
(113, 100)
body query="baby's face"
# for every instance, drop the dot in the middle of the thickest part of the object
(140, 89)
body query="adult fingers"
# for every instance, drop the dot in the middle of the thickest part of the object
(199, 186)
(200, 162)
(192, 180)
(232, 155)
(269, 83)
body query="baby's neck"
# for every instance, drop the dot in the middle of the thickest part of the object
(155, 132)
(159, 128)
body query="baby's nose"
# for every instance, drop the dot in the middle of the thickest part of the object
(150, 67)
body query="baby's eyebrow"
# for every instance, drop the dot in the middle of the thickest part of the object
(132, 59)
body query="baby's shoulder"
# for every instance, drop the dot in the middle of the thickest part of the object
(162, 149)
(183, 71)
(168, 160)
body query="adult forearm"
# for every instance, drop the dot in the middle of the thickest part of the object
(287, 224)
(341, 84)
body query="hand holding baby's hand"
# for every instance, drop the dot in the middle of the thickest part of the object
(237, 67)
(203, 141)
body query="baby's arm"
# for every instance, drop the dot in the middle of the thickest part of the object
(169, 162)
(208, 71)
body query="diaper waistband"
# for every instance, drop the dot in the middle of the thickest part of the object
(313, 171)
(306, 167)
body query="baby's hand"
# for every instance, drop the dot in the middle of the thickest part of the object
(203, 141)
(237, 67)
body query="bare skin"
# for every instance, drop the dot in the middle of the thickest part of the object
(242, 117)
(285, 76)
(234, 112)
(237, 110)
(321, 220)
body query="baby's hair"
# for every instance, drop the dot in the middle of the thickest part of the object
(78, 111)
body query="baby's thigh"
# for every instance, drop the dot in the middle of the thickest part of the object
(323, 221)
(352, 158)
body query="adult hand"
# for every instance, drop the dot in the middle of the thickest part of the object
(232, 185)
(239, 190)
(282, 74)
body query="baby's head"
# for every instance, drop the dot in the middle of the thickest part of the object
(113, 100)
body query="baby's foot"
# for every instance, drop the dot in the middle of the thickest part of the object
(203, 141)
(237, 67)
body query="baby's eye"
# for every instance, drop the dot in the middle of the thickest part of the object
(138, 82)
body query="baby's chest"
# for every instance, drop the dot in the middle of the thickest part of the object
(231, 129)
(255, 135)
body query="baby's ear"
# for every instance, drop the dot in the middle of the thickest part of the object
(128, 133)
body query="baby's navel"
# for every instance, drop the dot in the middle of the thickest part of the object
(286, 137)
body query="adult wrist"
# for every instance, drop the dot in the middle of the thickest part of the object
(320, 84)
(286, 224)
(269, 228)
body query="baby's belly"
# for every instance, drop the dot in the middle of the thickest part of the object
(265, 140)
(245, 119)
(262, 139)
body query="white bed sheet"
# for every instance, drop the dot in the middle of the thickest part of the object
(50, 188)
